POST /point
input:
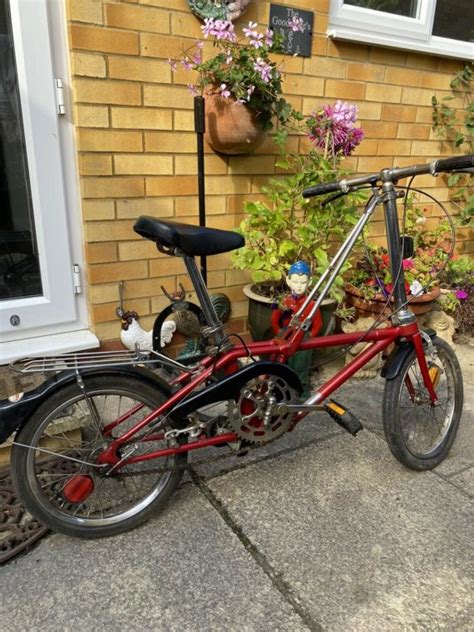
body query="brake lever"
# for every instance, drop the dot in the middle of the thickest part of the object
(333, 198)
(469, 170)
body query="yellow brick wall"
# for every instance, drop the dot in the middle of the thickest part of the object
(136, 143)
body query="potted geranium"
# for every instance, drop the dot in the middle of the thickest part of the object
(242, 84)
(286, 228)
(457, 287)
(370, 283)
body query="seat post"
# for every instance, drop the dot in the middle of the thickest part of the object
(203, 296)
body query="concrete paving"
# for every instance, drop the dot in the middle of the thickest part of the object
(317, 531)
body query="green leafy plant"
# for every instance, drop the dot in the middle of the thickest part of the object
(285, 227)
(459, 135)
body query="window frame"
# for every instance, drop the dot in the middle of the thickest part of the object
(359, 24)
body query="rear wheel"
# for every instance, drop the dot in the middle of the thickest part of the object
(419, 434)
(58, 486)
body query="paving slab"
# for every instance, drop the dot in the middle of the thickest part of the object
(364, 542)
(184, 570)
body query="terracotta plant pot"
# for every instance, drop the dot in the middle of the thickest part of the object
(419, 305)
(231, 127)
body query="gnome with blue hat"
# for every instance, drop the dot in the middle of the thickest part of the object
(298, 279)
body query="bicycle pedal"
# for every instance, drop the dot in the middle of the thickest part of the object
(343, 417)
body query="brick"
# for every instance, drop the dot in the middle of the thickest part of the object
(324, 67)
(141, 118)
(416, 96)
(113, 187)
(91, 116)
(150, 287)
(368, 110)
(297, 84)
(185, 25)
(425, 148)
(137, 18)
(424, 115)
(86, 11)
(365, 72)
(165, 267)
(293, 65)
(143, 164)
(101, 140)
(236, 203)
(109, 92)
(383, 93)
(144, 249)
(387, 56)
(170, 142)
(215, 164)
(409, 130)
(345, 89)
(95, 165)
(98, 209)
(172, 185)
(167, 96)
(105, 293)
(101, 253)
(183, 120)
(346, 50)
(425, 62)
(216, 185)
(177, 5)
(367, 148)
(103, 40)
(399, 113)
(219, 262)
(156, 207)
(107, 331)
(106, 312)
(224, 222)
(105, 272)
(186, 206)
(319, 45)
(148, 70)
(380, 129)
(110, 231)
(402, 76)
(436, 81)
(86, 65)
(394, 147)
(369, 165)
(162, 46)
(251, 164)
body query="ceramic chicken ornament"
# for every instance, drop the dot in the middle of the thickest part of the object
(133, 335)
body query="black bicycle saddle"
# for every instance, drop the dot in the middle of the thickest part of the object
(192, 240)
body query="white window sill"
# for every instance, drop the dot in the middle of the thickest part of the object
(437, 45)
(48, 345)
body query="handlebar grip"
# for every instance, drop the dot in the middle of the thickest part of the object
(456, 162)
(320, 189)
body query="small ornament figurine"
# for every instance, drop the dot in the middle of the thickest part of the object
(298, 279)
(218, 9)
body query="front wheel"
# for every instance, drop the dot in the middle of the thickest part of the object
(56, 478)
(418, 433)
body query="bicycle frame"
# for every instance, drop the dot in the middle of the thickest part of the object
(295, 339)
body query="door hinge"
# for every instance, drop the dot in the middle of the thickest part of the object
(60, 105)
(76, 276)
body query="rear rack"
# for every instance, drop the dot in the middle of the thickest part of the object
(93, 360)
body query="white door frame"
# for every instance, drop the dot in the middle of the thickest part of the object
(72, 334)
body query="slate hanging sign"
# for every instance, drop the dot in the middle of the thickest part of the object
(295, 42)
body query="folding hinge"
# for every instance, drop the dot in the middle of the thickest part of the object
(76, 277)
(60, 105)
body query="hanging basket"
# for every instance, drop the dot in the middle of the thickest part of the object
(231, 127)
(419, 305)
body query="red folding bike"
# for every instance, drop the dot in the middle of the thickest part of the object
(104, 442)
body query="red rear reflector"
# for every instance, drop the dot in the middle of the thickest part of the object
(78, 489)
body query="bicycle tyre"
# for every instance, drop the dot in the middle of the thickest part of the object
(405, 417)
(41, 479)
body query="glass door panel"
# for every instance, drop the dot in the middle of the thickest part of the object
(19, 266)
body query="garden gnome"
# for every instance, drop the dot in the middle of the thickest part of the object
(297, 280)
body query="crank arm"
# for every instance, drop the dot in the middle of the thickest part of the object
(282, 409)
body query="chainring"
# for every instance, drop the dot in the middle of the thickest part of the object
(253, 416)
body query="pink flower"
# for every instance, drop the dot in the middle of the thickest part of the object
(269, 37)
(408, 264)
(225, 93)
(192, 89)
(264, 69)
(186, 64)
(462, 295)
(296, 24)
(173, 64)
